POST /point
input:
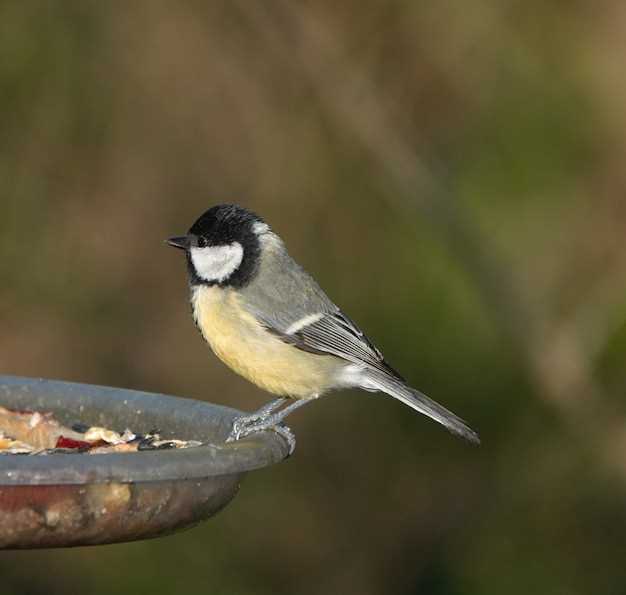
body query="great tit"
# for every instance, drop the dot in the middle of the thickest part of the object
(266, 318)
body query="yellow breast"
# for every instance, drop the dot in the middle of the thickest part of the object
(259, 356)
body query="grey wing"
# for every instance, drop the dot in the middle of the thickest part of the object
(329, 333)
(335, 334)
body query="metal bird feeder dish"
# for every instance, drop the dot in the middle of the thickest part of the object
(63, 500)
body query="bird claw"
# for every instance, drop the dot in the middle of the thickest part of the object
(246, 425)
(242, 426)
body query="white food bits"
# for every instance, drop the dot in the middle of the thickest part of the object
(96, 434)
(35, 419)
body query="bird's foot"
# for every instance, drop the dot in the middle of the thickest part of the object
(251, 424)
(267, 419)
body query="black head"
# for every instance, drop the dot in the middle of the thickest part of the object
(223, 246)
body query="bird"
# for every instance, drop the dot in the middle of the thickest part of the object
(268, 320)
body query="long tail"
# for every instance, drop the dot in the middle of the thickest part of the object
(420, 402)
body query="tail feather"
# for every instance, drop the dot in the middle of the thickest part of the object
(420, 402)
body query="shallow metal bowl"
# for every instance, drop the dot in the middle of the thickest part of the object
(63, 500)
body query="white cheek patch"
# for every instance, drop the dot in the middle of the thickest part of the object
(217, 263)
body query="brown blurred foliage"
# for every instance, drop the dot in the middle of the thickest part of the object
(451, 173)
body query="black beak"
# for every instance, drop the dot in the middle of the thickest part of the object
(182, 242)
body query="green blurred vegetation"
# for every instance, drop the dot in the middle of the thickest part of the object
(453, 175)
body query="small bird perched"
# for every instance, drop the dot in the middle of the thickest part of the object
(268, 320)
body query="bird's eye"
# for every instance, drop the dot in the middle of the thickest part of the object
(201, 242)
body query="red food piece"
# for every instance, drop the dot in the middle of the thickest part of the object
(63, 442)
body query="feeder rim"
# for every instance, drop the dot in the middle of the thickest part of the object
(195, 419)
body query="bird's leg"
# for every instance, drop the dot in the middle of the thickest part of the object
(265, 419)
(264, 411)
(276, 418)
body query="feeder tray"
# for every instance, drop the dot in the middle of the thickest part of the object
(63, 500)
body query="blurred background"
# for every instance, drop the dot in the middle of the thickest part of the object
(453, 176)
